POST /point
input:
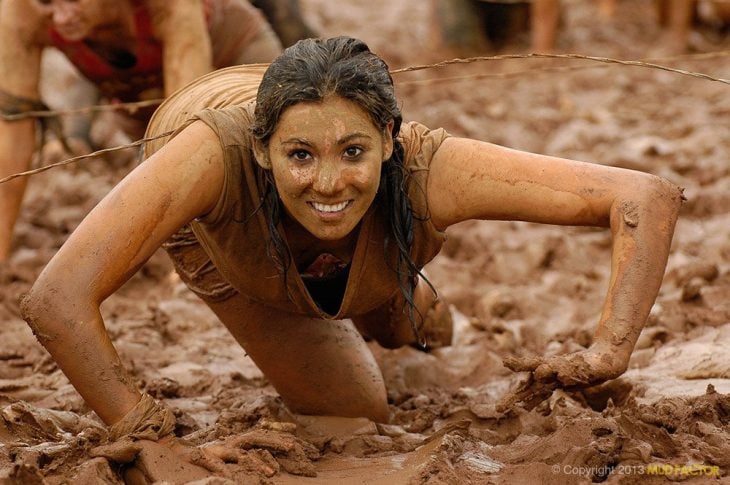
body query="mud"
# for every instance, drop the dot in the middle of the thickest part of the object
(517, 290)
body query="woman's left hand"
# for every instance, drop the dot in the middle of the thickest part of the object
(594, 365)
(597, 364)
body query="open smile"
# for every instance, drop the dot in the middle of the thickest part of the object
(330, 209)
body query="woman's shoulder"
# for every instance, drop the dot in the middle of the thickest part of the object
(230, 123)
(420, 143)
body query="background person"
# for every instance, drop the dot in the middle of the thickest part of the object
(130, 50)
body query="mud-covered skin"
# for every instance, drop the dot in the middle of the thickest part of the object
(469, 180)
(614, 339)
(640, 209)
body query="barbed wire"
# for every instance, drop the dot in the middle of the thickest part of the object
(468, 60)
(88, 155)
(131, 107)
(606, 60)
(556, 69)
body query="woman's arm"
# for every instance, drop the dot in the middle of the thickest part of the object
(476, 180)
(181, 181)
(187, 50)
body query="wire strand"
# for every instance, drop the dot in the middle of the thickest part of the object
(469, 60)
(88, 155)
(557, 69)
(606, 60)
(130, 107)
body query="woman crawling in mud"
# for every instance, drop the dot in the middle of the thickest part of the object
(301, 210)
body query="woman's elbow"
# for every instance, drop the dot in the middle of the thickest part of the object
(45, 309)
(652, 197)
(663, 196)
(646, 202)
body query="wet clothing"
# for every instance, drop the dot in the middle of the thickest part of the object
(225, 251)
(134, 74)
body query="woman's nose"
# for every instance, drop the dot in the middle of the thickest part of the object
(328, 178)
(62, 13)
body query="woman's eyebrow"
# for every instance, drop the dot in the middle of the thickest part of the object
(352, 136)
(341, 141)
(296, 141)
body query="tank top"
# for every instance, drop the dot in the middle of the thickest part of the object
(235, 233)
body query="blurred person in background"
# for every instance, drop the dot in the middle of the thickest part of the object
(678, 17)
(119, 50)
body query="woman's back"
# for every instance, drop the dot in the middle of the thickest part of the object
(229, 86)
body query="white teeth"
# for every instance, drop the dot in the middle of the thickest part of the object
(330, 208)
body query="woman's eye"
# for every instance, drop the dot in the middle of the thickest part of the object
(300, 155)
(353, 152)
(43, 2)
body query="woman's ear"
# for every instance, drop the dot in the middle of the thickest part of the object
(388, 141)
(262, 155)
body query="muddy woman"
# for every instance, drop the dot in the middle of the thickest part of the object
(127, 50)
(301, 210)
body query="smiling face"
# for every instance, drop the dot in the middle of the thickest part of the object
(73, 19)
(326, 158)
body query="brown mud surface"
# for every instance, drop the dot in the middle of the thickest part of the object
(516, 289)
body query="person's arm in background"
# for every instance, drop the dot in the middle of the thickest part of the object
(20, 59)
(476, 180)
(187, 51)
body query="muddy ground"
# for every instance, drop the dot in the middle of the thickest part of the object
(515, 289)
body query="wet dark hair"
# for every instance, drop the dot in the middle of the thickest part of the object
(311, 70)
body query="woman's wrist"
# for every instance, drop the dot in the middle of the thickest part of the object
(147, 420)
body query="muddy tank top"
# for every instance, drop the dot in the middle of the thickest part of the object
(235, 233)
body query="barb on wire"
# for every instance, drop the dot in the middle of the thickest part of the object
(554, 69)
(130, 107)
(607, 60)
(88, 155)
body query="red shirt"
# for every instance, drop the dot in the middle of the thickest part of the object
(136, 70)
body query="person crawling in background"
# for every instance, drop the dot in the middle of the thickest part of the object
(297, 204)
(128, 50)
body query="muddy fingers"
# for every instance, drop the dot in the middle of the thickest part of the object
(263, 452)
(570, 372)
(529, 393)
(215, 457)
